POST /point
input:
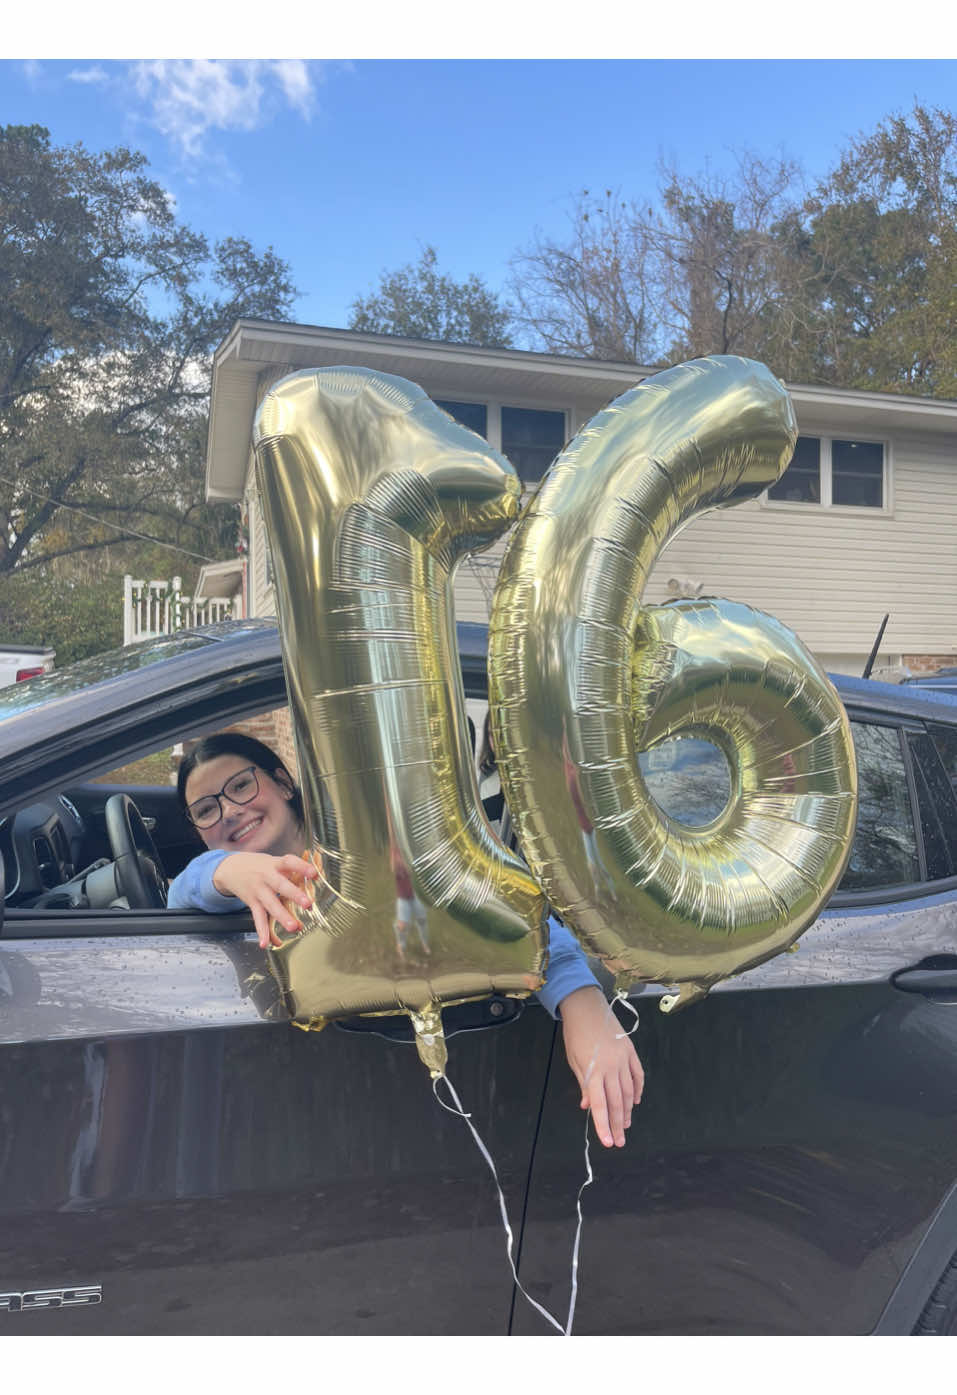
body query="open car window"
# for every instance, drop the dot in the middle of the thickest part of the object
(57, 850)
(905, 843)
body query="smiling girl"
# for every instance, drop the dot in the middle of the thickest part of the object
(244, 805)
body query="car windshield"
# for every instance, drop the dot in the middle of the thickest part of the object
(34, 692)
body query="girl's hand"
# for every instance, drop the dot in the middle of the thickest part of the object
(604, 1062)
(260, 880)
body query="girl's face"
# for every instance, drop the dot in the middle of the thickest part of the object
(265, 824)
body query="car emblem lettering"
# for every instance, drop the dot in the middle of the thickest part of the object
(50, 1298)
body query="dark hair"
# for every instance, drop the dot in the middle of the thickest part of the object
(234, 743)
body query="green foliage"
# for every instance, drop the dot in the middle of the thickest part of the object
(420, 303)
(110, 314)
(854, 284)
(883, 237)
(76, 618)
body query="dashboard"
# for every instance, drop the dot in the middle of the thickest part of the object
(42, 847)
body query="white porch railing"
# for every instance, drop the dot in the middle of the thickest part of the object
(159, 608)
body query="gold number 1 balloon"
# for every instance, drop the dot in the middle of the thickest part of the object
(371, 496)
(582, 676)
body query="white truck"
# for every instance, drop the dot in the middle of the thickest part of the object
(20, 661)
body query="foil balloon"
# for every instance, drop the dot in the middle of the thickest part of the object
(582, 676)
(371, 495)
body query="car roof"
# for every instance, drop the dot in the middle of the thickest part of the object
(895, 697)
(133, 699)
(136, 696)
(946, 678)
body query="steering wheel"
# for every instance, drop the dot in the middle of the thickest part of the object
(139, 870)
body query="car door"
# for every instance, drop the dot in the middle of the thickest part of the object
(175, 1157)
(796, 1137)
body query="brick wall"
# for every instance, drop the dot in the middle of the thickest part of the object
(928, 663)
(274, 729)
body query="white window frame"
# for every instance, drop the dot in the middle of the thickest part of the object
(863, 510)
(527, 406)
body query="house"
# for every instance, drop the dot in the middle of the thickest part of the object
(863, 522)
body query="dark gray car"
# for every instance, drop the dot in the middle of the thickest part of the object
(175, 1158)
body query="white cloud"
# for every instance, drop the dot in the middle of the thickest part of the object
(191, 97)
(293, 76)
(94, 75)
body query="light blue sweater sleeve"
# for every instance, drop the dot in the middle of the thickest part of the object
(567, 966)
(193, 889)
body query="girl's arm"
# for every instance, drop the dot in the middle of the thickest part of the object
(599, 1053)
(221, 881)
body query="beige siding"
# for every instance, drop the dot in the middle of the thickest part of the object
(262, 600)
(828, 573)
(831, 574)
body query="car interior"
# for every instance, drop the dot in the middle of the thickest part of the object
(114, 842)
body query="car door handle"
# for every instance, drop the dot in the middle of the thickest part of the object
(495, 1011)
(932, 982)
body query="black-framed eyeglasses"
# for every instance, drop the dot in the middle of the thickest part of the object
(238, 789)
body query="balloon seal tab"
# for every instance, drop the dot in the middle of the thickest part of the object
(430, 1039)
(687, 993)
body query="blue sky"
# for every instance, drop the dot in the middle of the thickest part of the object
(352, 167)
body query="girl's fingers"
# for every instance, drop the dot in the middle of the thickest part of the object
(627, 1097)
(278, 911)
(290, 862)
(289, 889)
(599, 1113)
(263, 928)
(616, 1111)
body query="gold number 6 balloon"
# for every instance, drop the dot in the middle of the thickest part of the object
(371, 494)
(582, 677)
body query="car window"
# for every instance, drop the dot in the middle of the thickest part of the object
(688, 779)
(937, 805)
(52, 848)
(156, 769)
(885, 849)
(160, 767)
(945, 739)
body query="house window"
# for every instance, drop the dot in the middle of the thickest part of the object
(531, 440)
(834, 474)
(801, 481)
(857, 473)
(474, 415)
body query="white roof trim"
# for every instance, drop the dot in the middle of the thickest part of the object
(219, 579)
(253, 346)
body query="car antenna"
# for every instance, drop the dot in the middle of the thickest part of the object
(877, 644)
